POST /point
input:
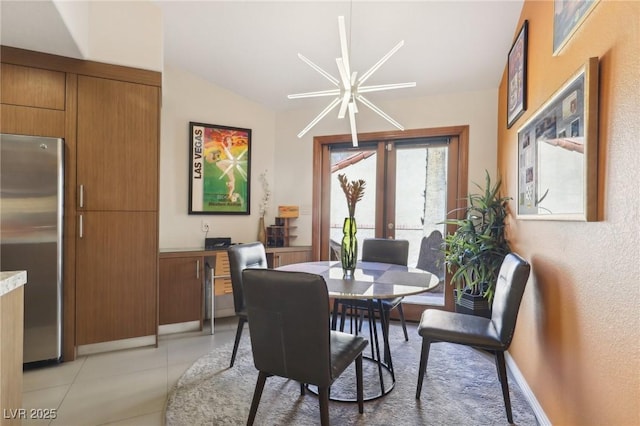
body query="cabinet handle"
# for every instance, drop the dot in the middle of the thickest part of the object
(198, 269)
(80, 227)
(81, 196)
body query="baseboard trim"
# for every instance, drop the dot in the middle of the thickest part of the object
(116, 345)
(179, 327)
(224, 312)
(541, 416)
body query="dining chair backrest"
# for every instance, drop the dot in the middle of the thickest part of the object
(510, 286)
(431, 256)
(289, 317)
(242, 256)
(385, 251)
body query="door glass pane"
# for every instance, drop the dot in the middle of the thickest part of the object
(420, 206)
(355, 163)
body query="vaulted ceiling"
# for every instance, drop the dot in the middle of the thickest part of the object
(251, 48)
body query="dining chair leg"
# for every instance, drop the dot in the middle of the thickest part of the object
(359, 385)
(424, 358)
(323, 398)
(241, 322)
(334, 315)
(343, 316)
(402, 321)
(257, 394)
(502, 375)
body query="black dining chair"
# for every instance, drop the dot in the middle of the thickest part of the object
(492, 334)
(290, 335)
(386, 251)
(242, 256)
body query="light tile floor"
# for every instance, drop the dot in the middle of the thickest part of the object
(127, 387)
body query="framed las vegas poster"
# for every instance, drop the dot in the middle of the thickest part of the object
(219, 169)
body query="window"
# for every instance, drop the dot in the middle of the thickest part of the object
(413, 179)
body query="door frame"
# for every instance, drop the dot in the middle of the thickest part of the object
(457, 178)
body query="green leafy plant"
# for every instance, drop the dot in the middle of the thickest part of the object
(475, 251)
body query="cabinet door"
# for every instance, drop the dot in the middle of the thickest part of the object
(116, 276)
(118, 125)
(32, 87)
(281, 258)
(181, 283)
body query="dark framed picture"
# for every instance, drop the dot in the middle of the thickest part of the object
(558, 153)
(219, 169)
(568, 15)
(517, 77)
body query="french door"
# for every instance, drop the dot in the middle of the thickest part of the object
(412, 180)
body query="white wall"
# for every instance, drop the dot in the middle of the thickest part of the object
(75, 16)
(186, 98)
(288, 159)
(293, 162)
(126, 33)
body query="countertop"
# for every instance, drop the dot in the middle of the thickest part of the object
(10, 280)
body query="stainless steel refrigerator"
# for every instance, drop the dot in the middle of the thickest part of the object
(31, 190)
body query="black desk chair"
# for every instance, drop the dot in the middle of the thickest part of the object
(290, 336)
(385, 251)
(242, 256)
(492, 334)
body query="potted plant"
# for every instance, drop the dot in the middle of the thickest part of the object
(474, 252)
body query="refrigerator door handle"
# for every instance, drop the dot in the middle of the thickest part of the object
(81, 196)
(80, 227)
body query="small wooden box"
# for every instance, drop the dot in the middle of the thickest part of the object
(288, 211)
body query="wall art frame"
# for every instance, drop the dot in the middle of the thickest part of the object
(517, 76)
(219, 169)
(568, 15)
(558, 153)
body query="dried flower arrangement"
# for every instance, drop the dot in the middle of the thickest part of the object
(354, 191)
(266, 193)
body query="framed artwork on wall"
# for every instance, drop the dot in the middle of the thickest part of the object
(219, 169)
(557, 153)
(568, 15)
(517, 77)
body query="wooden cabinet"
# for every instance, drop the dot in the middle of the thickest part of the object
(117, 202)
(32, 87)
(32, 101)
(118, 145)
(281, 256)
(11, 336)
(181, 294)
(181, 290)
(116, 290)
(181, 284)
(109, 117)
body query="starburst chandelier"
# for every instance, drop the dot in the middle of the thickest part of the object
(349, 87)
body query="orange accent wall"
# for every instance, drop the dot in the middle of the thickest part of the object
(577, 341)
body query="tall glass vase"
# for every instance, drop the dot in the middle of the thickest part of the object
(349, 253)
(262, 234)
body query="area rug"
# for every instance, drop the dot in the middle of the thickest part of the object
(461, 388)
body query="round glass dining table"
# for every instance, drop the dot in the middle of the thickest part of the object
(372, 282)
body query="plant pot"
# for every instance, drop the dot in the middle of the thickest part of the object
(472, 304)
